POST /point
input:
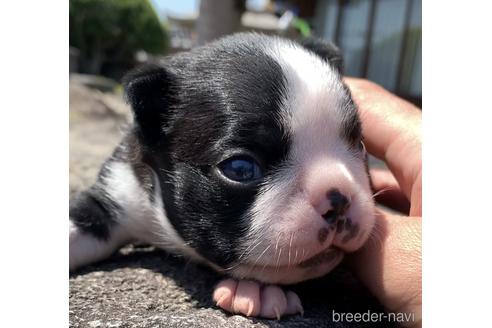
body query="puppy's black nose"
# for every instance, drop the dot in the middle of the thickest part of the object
(339, 203)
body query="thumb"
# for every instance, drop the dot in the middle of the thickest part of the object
(390, 263)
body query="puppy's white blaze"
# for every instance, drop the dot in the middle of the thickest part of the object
(319, 159)
(143, 220)
(312, 85)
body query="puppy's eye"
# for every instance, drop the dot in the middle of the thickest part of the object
(241, 169)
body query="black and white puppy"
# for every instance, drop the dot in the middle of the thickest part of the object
(246, 155)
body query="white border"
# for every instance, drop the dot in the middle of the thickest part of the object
(457, 166)
(457, 163)
(34, 164)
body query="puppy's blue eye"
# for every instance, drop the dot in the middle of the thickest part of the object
(241, 169)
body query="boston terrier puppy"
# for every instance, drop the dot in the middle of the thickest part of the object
(246, 155)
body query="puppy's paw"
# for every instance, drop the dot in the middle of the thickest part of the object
(254, 300)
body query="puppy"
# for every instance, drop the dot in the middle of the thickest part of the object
(246, 155)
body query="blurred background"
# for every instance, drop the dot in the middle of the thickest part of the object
(380, 39)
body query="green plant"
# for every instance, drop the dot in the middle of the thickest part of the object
(113, 30)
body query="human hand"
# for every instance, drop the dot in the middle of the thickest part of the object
(390, 264)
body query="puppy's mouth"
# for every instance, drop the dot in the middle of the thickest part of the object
(313, 267)
(326, 256)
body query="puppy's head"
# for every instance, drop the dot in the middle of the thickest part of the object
(257, 146)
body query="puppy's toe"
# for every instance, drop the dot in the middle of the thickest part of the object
(247, 298)
(224, 292)
(241, 296)
(273, 302)
(294, 304)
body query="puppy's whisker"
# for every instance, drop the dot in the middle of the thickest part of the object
(276, 244)
(247, 251)
(381, 191)
(375, 237)
(278, 259)
(290, 247)
(250, 252)
(295, 257)
(259, 257)
(240, 262)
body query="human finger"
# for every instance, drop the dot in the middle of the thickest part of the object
(392, 132)
(387, 192)
(394, 272)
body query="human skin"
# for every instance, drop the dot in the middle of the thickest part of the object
(390, 264)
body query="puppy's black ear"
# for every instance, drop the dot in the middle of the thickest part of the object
(326, 50)
(147, 89)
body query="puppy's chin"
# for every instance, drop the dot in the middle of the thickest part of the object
(314, 267)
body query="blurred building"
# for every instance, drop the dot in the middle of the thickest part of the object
(380, 39)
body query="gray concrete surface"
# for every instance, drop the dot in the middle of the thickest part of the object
(141, 286)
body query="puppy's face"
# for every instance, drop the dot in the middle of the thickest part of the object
(257, 146)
